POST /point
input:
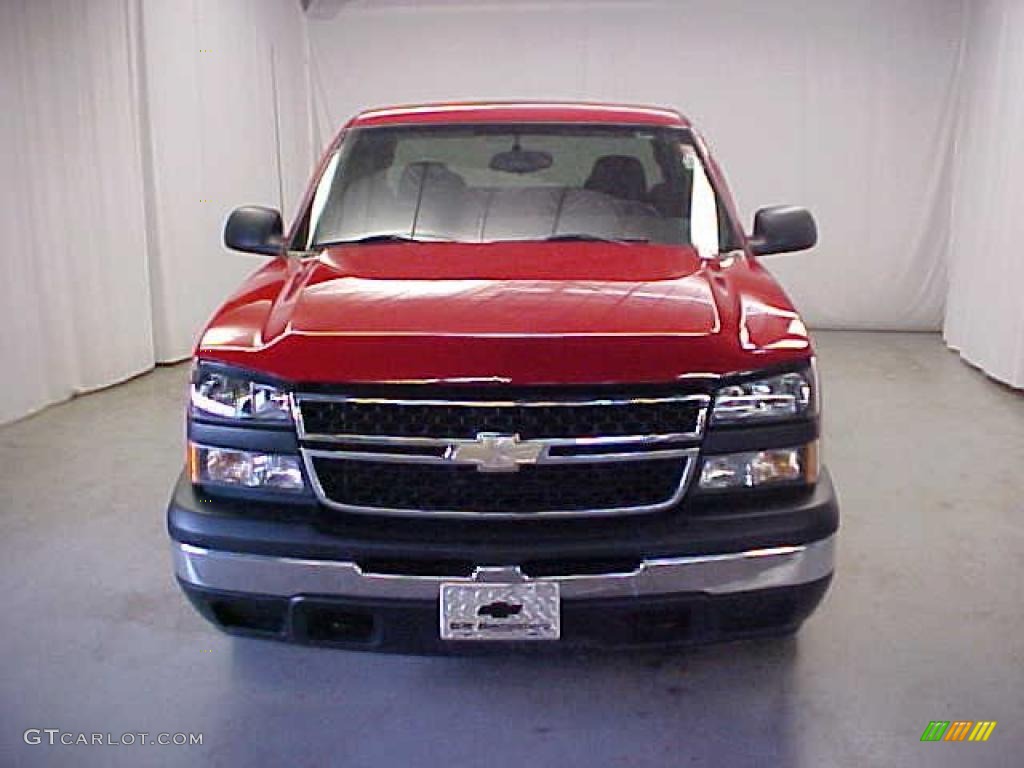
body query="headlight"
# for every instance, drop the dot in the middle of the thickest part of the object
(231, 468)
(755, 469)
(785, 396)
(233, 395)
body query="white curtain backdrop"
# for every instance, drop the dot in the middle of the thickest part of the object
(128, 129)
(845, 107)
(985, 310)
(74, 280)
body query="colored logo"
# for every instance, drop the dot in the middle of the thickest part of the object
(958, 730)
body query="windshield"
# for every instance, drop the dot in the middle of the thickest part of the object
(478, 184)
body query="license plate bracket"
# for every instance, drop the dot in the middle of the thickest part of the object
(500, 612)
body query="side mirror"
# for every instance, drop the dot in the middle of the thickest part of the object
(255, 229)
(783, 229)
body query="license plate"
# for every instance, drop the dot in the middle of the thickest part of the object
(500, 611)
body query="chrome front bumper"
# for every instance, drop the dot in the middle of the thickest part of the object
(718, 574)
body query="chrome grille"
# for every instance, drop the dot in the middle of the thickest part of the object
(485, 457)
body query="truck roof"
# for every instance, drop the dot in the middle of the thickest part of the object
(519, 112)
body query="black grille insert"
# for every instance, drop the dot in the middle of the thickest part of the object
(539, 488)
(455, 420)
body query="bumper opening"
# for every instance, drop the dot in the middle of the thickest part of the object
(744, 615)
(321, 623)
(663, 625)
(243, 613)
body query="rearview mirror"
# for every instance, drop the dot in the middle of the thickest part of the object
(518, 160)
(255, 229)
(783, 229)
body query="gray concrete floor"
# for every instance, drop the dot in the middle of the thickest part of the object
(924, 621)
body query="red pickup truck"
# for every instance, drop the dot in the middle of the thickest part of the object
(515, 377)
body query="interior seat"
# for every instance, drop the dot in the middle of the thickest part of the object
(670, 199)
(432, 176)
(620, 176)
(439, 202)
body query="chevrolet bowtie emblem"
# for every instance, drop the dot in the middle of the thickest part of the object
(495, 452)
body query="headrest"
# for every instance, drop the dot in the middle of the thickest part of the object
(620, 176)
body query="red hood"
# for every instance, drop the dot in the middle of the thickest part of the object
(526, 313)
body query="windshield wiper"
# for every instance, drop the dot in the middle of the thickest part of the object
(397, 238)
(583, 237)
(372, 239)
